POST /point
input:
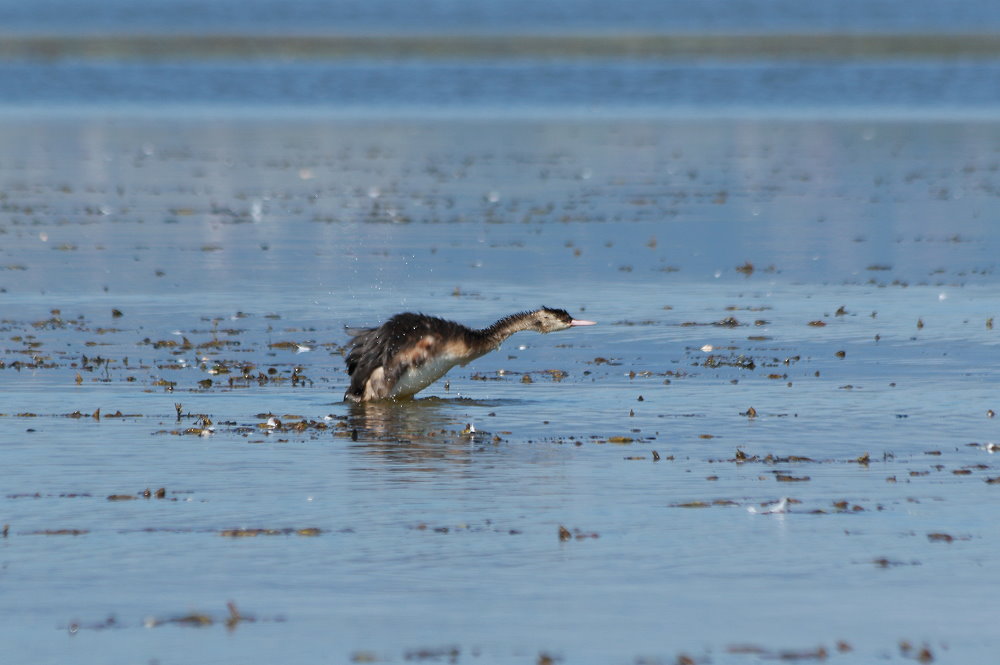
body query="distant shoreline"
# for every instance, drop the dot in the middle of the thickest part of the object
(492, 46)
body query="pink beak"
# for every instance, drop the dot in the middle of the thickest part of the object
(577, 322)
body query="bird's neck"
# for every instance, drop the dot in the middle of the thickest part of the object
(493, 336)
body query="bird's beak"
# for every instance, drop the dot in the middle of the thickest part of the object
(577, 322)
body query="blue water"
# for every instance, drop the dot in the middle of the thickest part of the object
(776, 79)
(242, 236)
(503, 87)
(183, 240)
(318, 16)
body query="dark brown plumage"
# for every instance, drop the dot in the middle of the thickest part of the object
(410, 351)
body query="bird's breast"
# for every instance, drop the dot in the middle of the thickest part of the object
(416, 378)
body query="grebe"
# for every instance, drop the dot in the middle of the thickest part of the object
(411, 351)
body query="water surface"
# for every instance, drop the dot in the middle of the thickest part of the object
(190, 278)
(269, 16)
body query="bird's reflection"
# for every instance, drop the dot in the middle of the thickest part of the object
(419, 432)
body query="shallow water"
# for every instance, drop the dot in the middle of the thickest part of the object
(466, 84)
(191, 278)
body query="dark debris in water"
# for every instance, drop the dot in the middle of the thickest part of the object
(705, 504)
(885, 562)
(217, 358)
(739, 361)
(449, 654)
(231, 620)
(939, 537)
(147, 493)
(754, 652)
(287, 531)
(487, 527)
(58, 532)
(576, 534)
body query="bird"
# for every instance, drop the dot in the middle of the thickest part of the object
(411, 351)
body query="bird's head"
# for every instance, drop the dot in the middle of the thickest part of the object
(547, 319)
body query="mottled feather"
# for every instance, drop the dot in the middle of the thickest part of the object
(410, 351)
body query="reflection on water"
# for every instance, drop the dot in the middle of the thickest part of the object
(419, 432)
